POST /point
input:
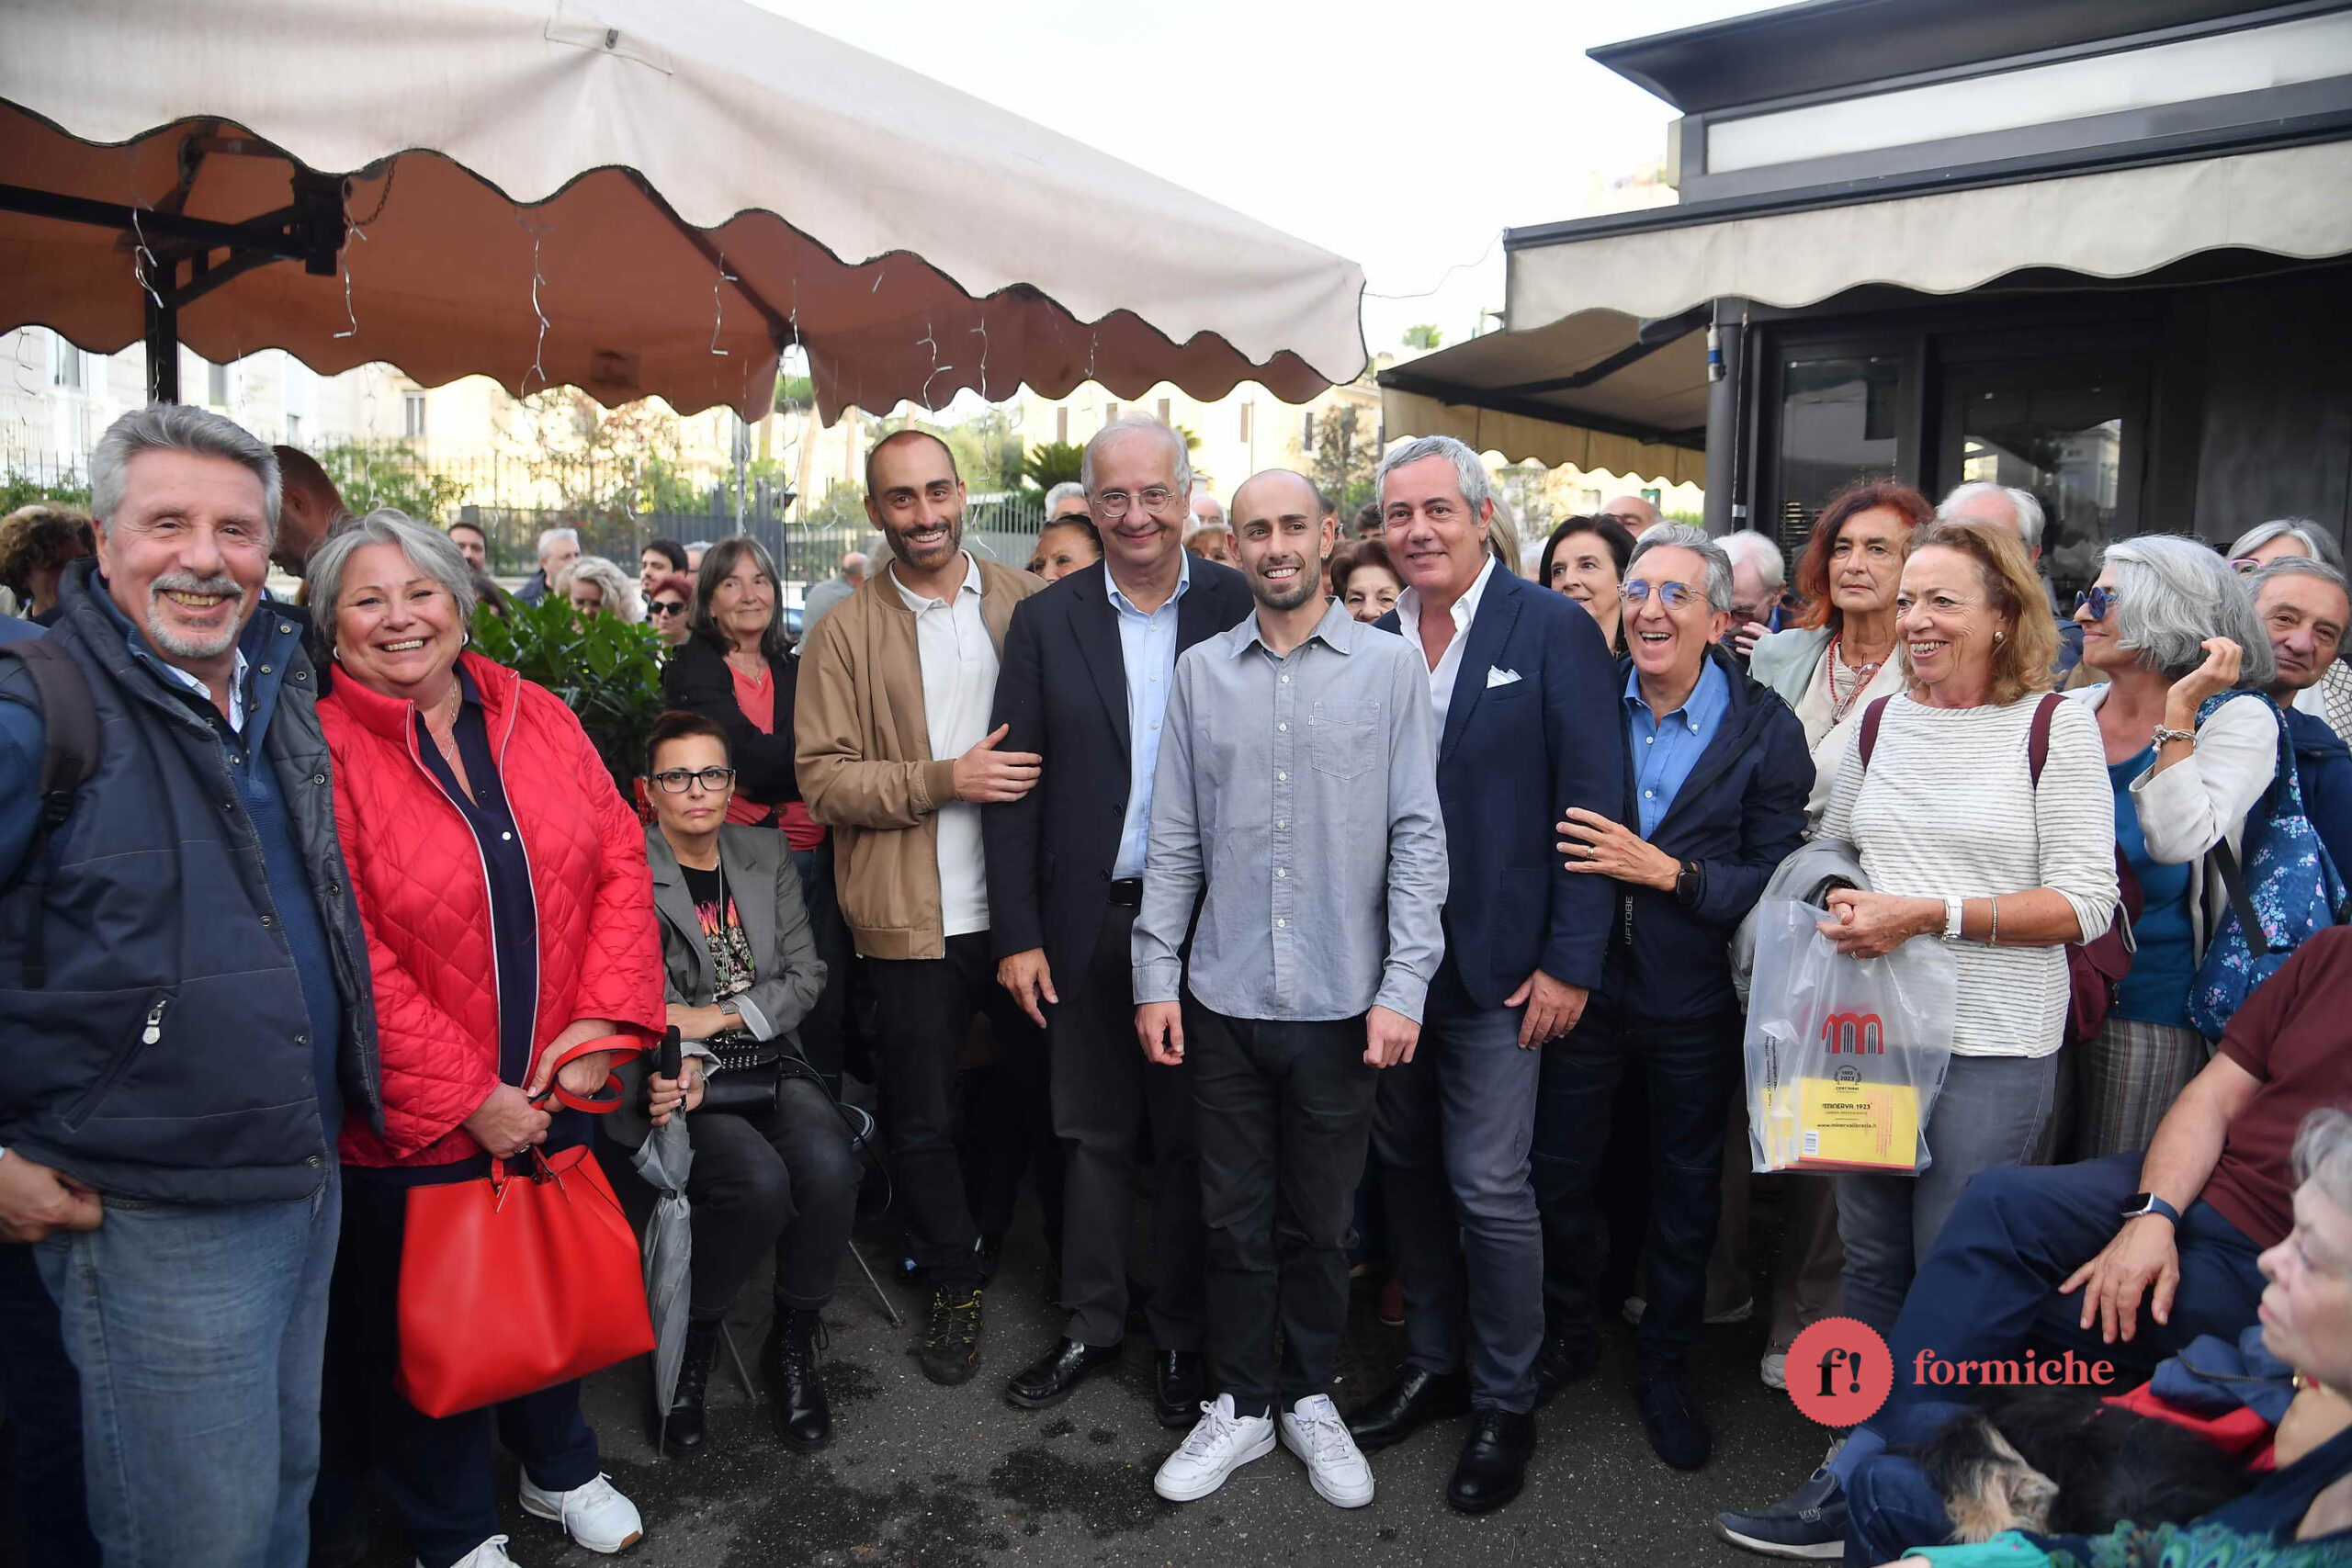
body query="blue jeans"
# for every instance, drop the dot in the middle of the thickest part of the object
(199, 1332)
(1992, 1112)
(1892, 1506)
(1692, 1072)
(1454, 1128)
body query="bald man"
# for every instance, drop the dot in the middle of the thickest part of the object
(1636, 513)
(308, 512)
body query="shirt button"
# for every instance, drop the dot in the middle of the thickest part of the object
(318, 778)
(1647, 794)
(506, 835)
(1283, 727)
(1283, 823)
(1281, 871)
(1155, 677)
(268, 921)
(1155, 724)
(264, 668)
(1282, 778)
(1281, 924)
(302, 1040)
(1285, 680)
(1649, 739)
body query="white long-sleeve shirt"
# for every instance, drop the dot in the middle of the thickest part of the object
(1948, 809)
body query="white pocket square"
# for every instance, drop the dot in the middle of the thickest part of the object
(1496, 677)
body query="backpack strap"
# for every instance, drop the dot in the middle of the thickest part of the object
(1867, 741)
(68, 759)
(2037, 738)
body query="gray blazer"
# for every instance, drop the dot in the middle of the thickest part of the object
(766, 888)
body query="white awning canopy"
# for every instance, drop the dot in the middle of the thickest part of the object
(631, 197)
(1577, 305)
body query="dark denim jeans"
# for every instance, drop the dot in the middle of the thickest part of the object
(1454, 1127)
(43, 1399)
(198, 1332)
(1692, 1074)
(785, 1180)
(823, 1031)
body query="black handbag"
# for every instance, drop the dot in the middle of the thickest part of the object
(746, 1076)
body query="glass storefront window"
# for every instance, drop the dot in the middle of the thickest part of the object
(1840, 421)
(2064, 438)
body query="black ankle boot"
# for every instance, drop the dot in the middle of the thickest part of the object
(790, 1363)
(684, 1434)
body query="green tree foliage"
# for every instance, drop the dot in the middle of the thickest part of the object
(1424, 335)
(1050, 463)
(378, 476)
(1341, 464)
(22, 490)
(611, 462)
(607, 670)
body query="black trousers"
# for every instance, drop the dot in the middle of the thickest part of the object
(1285, 1119)
(438, 1470)
(1104, 1094)
(44, 1404)
(923, 1012)
(1692, 1072)
(787, 1180)
(1008, 1135)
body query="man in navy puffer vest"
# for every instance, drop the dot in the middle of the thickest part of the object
(185, 982)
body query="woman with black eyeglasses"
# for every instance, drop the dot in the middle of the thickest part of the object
(2167, 625)
(772, 1167)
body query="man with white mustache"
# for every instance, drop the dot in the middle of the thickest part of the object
(185, 983)
(1300, 745)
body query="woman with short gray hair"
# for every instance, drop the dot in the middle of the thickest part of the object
(2170, 626)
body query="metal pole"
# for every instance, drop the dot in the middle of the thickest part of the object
(163, 338)
(1726, 371)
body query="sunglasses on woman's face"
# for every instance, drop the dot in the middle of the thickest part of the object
(669, 606)
(2100, 601)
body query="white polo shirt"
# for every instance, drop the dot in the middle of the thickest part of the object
(959, 687)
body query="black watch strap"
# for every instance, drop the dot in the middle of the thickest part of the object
(1687, 883)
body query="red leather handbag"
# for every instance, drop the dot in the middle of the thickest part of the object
(525, 1279)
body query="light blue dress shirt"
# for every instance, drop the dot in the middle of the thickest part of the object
(1666, 748)
(1148, 647)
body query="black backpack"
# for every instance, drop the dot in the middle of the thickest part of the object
(69, 759)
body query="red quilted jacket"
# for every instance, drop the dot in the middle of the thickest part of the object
(425, 904)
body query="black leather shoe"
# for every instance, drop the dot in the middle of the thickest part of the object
(1672, 1417)
(1412, 1399)
(1055, 1377)
(1565, 1358)
(1493, 1465)
(803, 1420)
(1179, 1384)
(683, 1433)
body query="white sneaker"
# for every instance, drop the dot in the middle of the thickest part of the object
(491, 1553)
(1775, 1371)
(1312, 1429)
(595, 1516)
(1218, 1444)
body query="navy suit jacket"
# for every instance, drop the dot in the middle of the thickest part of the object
(1511, 759)
(1062, 687)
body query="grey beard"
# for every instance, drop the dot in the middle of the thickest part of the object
(171, 642)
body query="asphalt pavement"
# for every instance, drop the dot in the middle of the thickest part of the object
(957, 1478)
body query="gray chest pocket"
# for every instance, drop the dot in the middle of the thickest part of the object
(1342, 738)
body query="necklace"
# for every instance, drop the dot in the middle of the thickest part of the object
(448, 745)
(1841, 704)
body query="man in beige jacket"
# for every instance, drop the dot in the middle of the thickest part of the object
(896, 756)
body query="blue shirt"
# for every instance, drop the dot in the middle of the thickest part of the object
(1148, 647)
(1666, 748)
(2164, 958)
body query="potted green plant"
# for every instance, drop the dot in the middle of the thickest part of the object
(607, 670)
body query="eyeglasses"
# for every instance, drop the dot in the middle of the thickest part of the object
(1674, 595)
(669, 606)
(1156, 499)
(677, 781)
(2100, 601)
(2244, 566)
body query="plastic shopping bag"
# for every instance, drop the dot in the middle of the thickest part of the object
(1845, 1055)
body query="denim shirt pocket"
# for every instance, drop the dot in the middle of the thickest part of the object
(1340, 737)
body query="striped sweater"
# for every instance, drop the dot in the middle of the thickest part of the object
(1948, 808)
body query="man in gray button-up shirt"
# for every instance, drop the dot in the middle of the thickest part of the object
(1295, 803)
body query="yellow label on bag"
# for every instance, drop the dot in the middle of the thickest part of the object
(1828, 1124)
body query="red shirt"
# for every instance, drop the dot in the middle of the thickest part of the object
(2290, 1035)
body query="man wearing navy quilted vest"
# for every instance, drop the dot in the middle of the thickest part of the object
(188, 1018)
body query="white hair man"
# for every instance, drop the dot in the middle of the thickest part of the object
(1982, 501)
(1208, 512)
(558, 547)
(191, 1064)
(831, 591)
(2305, 608)
(1759, 576)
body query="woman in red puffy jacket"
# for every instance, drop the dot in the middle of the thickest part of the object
(509, 918)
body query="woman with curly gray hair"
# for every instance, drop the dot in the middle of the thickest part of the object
(2170, 626)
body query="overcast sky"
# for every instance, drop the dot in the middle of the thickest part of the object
(1404, 136)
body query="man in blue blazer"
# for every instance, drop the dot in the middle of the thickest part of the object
(1525, 694)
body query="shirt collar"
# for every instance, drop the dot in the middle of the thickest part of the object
(1336, 630)
(917, 603)
(1466, 609)
(1707, 697)
(1118, 596)
(241, 674)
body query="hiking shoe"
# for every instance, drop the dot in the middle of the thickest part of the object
(950, 1341)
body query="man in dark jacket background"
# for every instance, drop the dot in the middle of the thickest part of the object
(185, 983)
(1716, 786)
(2305, 608)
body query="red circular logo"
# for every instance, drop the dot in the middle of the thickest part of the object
(1839, 1371)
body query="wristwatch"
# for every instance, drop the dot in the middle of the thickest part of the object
(1687, 884)
(2149, 1203)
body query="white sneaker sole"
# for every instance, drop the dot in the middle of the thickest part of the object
(539, 1510)
(1330, 1494)
(1201, 1489)
(1818, 1551)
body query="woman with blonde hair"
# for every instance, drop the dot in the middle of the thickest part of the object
(597, 587)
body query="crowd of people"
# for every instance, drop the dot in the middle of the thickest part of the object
(1388, 883)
